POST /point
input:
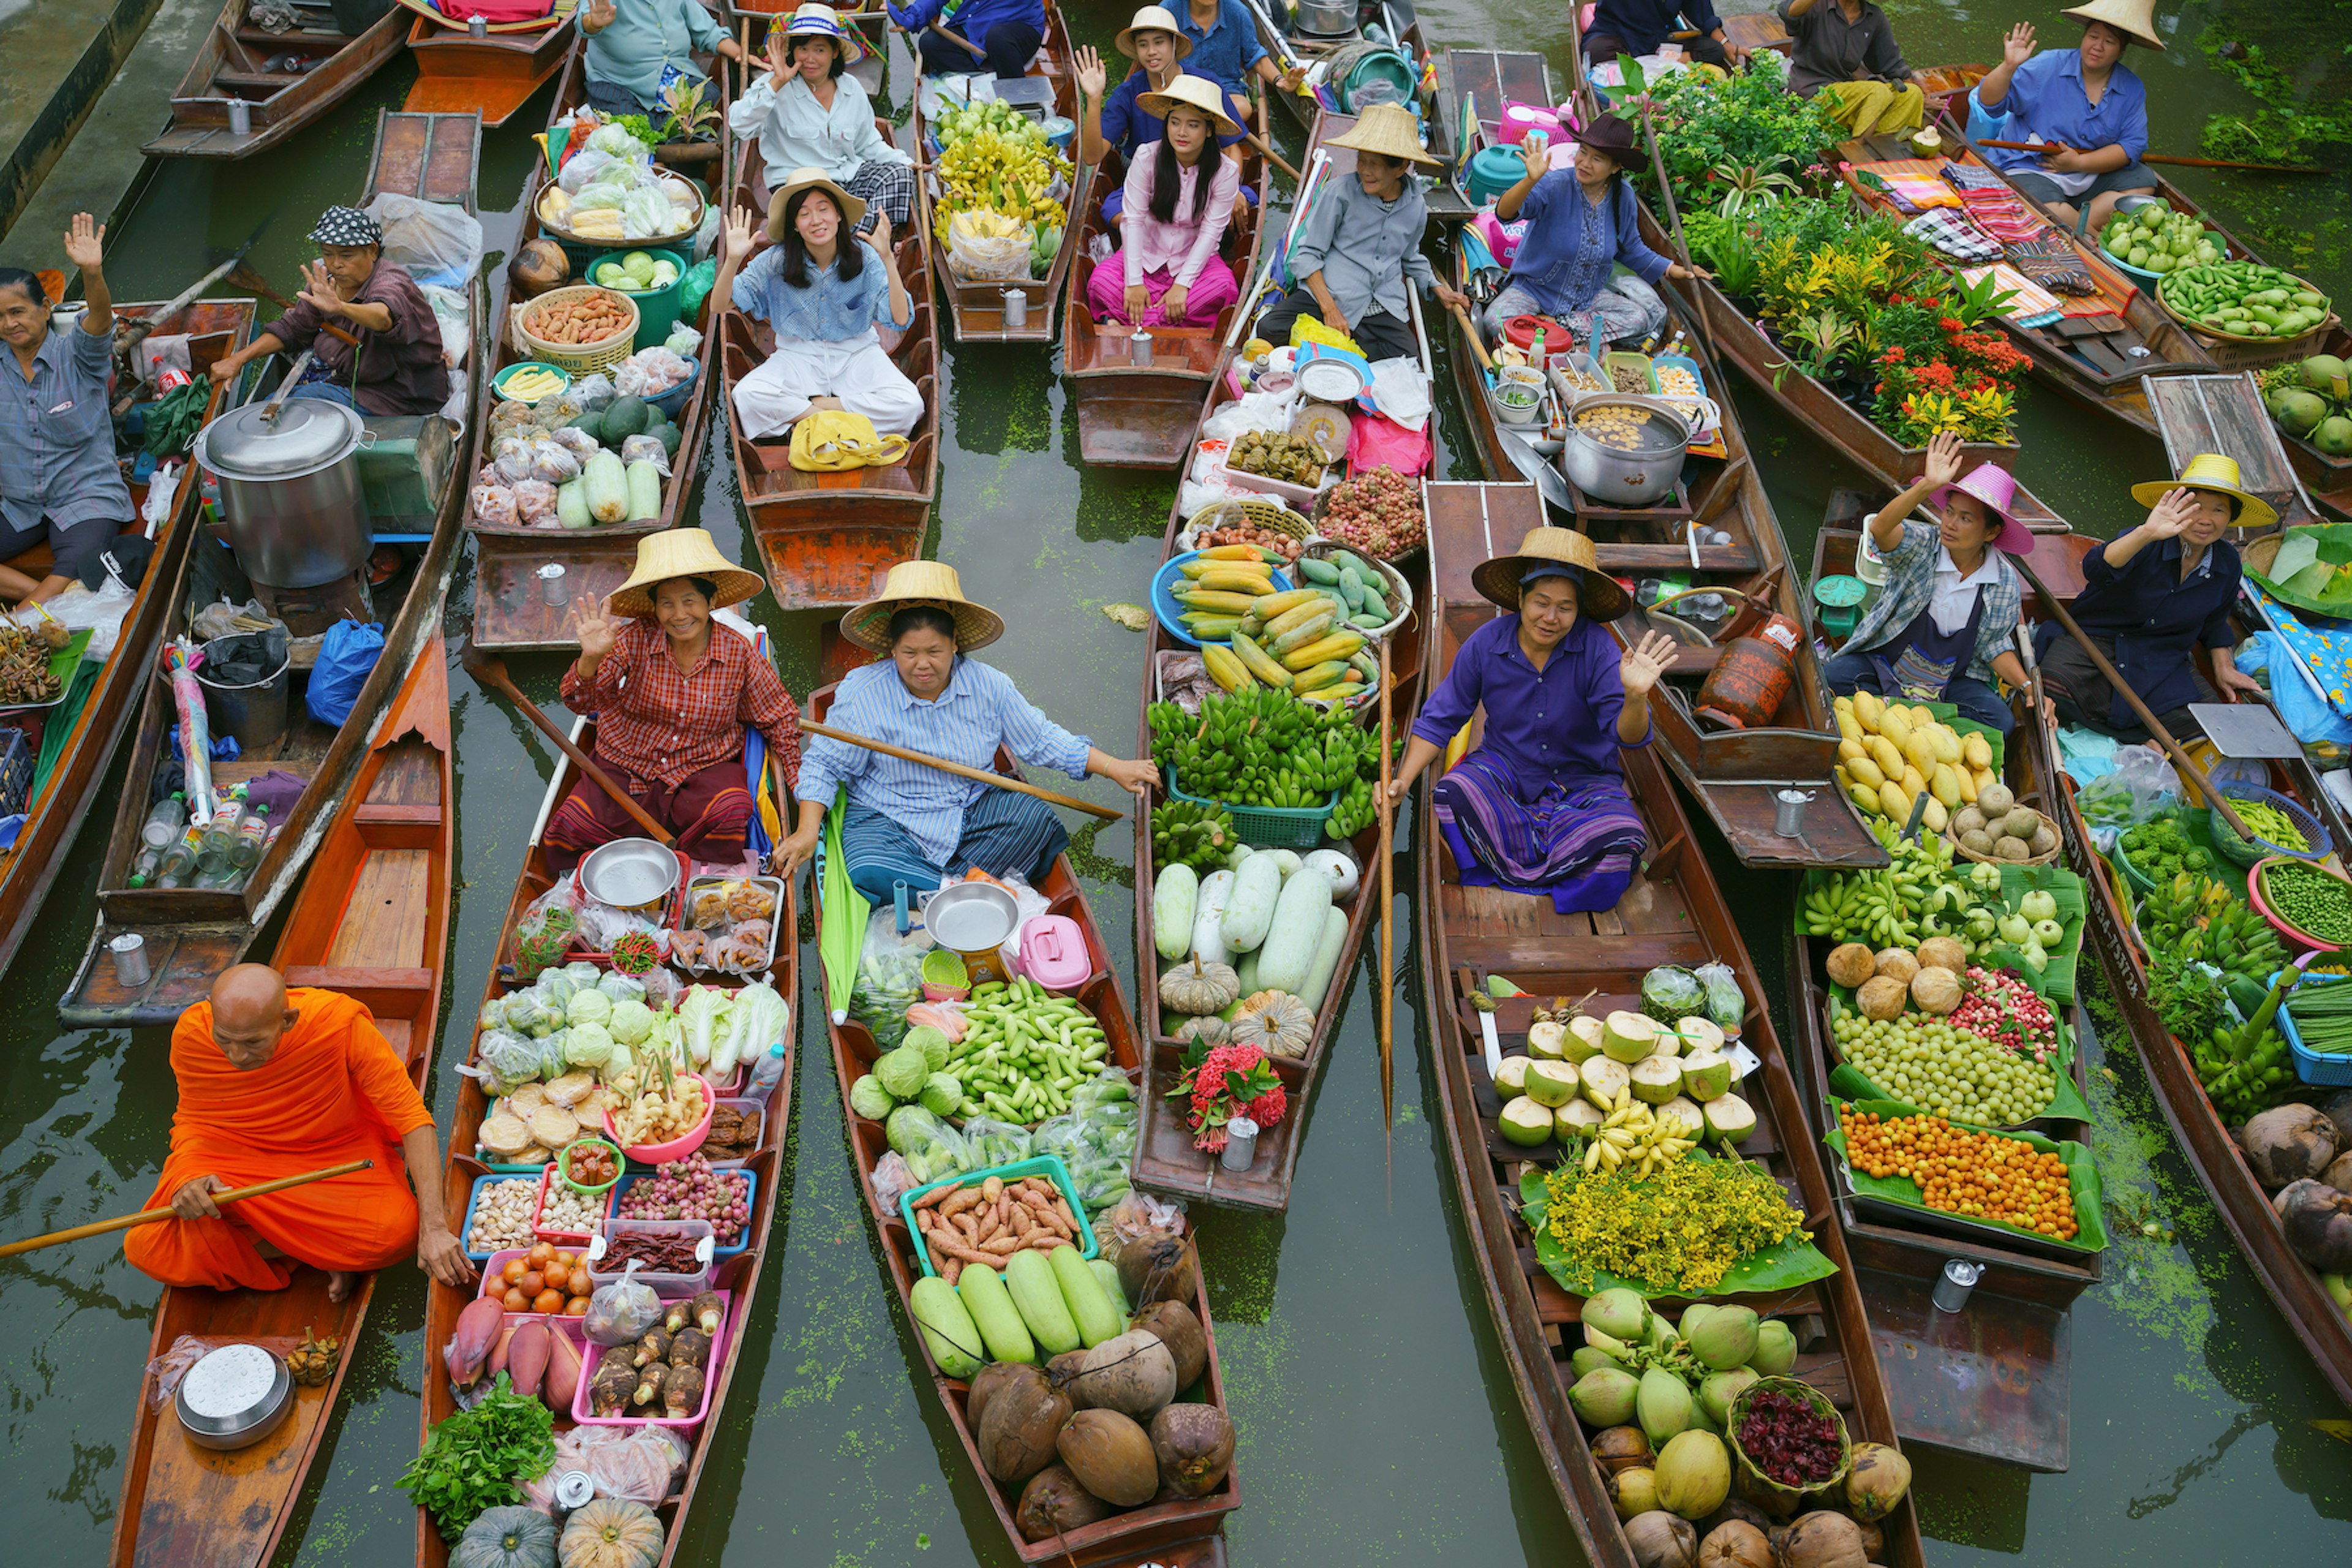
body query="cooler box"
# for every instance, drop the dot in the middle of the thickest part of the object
(1054, 953)
(406, 462)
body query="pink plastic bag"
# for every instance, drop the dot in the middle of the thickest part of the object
(1377, 439)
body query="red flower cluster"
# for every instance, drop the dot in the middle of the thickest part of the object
(1229, 1081)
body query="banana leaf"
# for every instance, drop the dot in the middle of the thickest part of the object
(2066, 1102)
(842, 941)
(2082, 1176)
(1785, 1266)
(2056, 979)
(2309, 570)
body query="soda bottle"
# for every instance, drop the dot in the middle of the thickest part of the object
(163, 822)
(220, 836)
(252, 836)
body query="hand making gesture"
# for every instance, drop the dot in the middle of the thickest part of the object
(85, 243)
(781, 68)
(1535, 152)
(1092, 78)
(1943, 464)
(2173, 511)
(601, 14)
(598, 630)
(1645, 662)
(319, 292)
(878, 236)
(739, 233)
(2018, 47)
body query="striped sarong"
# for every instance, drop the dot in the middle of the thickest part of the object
(708, 811)
(1004, 832)
(1578, 843)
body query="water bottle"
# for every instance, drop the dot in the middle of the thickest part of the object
(179, 861)
(165, 822)
(220, 836)
(252, 837)
(766, 1073)
(143, 870)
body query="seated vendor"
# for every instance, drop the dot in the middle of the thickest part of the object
(1360, 250)
(1946, 622)
(1640, 28)
(274, 1083)
(59, 478)
(673, 692)
(377, 342)
(1226, 48)
(999, 35)
(1180, 194)
(822, 294)
(2148, 598)
(2084, 103)
(1541, 807)
(1582, 224)
(922, 825)
(805, 113)
(1118, 121)
(635, 49)
(1845, 53)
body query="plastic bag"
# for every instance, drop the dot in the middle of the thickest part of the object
(2141, 784)
(601, 198)
(622, 1311)
(554, 463)
(994, 1142)
(172, 1365)
(535, 503)
(696, 287)
(507, 1060)
(663, 988)
(647, 213)
(615, 140)
(972, 254)
(222, 619)
(601, 925)
(581, 168)
(493, 505)
(347, 655)
(892, 1179)
(634, 1463)
(664, 367)
(510, 455)
(581, 445)
(437, 243)
(592, 394)
(889, 979)
(620, 988)
(683, 340)
(544, 933)
(646, 448)
(1724, 1005)
(1137, 1218)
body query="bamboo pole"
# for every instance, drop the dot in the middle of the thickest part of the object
(1387, 977)
(1675, 217)
(152, 1216)
(1001, 781)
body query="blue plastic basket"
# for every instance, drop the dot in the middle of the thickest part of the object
(2246, 852)
(2313, 1066)
(474, 1199)
(1036, 1165)
(751, 1201)
(1165, 604)
(16, 760)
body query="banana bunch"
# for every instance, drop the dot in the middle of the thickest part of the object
(1009, 172)
(1919, 895)
(1259, 745)
(1197, 835)
(1634, 1134)
(1889, 754)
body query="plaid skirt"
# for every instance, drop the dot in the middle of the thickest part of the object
(885, 185)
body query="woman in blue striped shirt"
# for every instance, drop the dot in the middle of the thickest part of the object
(919, 825)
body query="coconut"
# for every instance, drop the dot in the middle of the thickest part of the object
(1730, 1117)
(1895, 963)
(1943, 952)
(1511, 1078)
(1883, 998)
(1604, 1080)
(1627, 1037)
(1582, 1039)
(1702, 1422)
(1670, 1042)
(1162, 1267)
(1851, 963)
(1735, 1544)
(1685, 1114)
(983, 1387)
(1718, 1389)
(1874, 1538)
(1604, 1398)
(1776, 1348)
(1179, 1327)
(1727, 1338)
(1618, 1312)
(1054, 1503)
(539, 265)
(1994, 800)
(1693, 1473)
(1550, 1083)
(1020, 1423)
(1524, 1123)
(1621, 1447)
(2317, 1220)
(1132, 1374)
(1877, 1480)
(1662, 1405)
(1632, 1490)
(1936, 990)
(1822, 1540)
(1977, 841)
(1699, 1034)
(1577, 1116)
(2337, 1108)
(1110, 1455)
(2338, 1173)
(1736, 1508)
(1194, 1446)
(1544, 1038)
(1707, 1076)
(1062, 1371)
(1656, 1080)
(1693, 1316)
(1659, 1539)
(1591, 1358)
(2288, 1143)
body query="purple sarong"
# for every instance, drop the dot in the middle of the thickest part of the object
(1576, 842)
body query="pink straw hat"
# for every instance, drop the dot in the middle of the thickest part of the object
(1997, 489)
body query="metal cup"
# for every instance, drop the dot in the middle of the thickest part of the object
(1951, 1292)
(1016, 308)
(129, 951)
(552, 589)
(240, 117)
(1241, 1143)
(479, 27)
(1788, 815)
(1138, 350)
(573, 1490)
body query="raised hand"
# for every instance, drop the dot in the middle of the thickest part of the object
(1092, 78)
(1645, 662)
(85, 243)
(2018, 47)
(1943, 464)
(878, 236)
(739, 232)
(2173, 513)
(319, 288)
(602, 15)
(597, 630)
(1535, 152)
(780, 57)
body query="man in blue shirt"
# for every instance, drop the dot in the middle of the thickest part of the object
(1114, 121)
(1638, 27)
(2082, 101)
(1225, 48)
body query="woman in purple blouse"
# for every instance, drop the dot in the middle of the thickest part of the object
(1541, 807)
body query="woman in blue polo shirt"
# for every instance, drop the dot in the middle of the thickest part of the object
(999, 35)
(2084, 102)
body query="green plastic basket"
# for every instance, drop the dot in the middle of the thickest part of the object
(1269, 826)
(2141, 882)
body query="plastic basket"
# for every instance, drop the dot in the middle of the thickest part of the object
(2139, 880)
(491, 1287)
(1171, 610)
(2244, 852)
(579, 359)
(473, 1202)
(1269, 826)
(564, 1165)
(2327, 1069)
(1049, 1165)
(612, 1216)
(583, 1408)
(664, 1284)
(2295, 934)
(656, 308)
(498, 382)
(575, 1239)
(17, 762)
(677, 1148)
(1233, 510)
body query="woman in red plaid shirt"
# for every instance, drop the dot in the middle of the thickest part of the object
(673, 693)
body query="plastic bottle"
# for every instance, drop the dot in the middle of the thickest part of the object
(145, 869)
(165, 821)
(252, 836)
(220, 836)
(766, 1073)
(1537, 356)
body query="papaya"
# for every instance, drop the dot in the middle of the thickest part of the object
(669, 435)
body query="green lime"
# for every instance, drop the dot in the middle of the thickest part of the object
(941, 967)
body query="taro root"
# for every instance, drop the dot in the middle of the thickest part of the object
(2337, 1109)
(1132, 1374)
(1111, 1456)
(1659, 1539)
(985, 1383)
(1054, 1503)
(1194, 1446)
(1017, 1432)
(1734, 1544)
(1161, 1268)
(1179, 1327)
(1822, 1540)
(1877, 1480)
(2318, 1224)
(2288, 1143)
(1621, 1447)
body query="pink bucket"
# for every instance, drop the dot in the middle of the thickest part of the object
(1518, 118)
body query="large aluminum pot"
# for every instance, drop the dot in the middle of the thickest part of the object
(1640, 458)
(1326, 18)
(290, 490)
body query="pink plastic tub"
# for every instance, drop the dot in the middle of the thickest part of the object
(580, 1405)
(677, 1148)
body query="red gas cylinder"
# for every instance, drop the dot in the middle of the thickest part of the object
(1751, 679)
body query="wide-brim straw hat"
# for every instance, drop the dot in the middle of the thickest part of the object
(1600, 597)
(2136, 19)
(1191, 92)
(911, 582)
(1152, 20)
(819, 21)
(1996, 487)
(682, 552)
(850, 208)
(2212, 471)
(1390, 130)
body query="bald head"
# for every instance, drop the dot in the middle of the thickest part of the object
(249, 1014)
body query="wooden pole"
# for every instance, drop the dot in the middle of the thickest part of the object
(151, 1217)
(1675, 217)
(2154, 727)
(1470, 332)
(1000, 780)
(1276, 159)
(2161, 158)
(1386, 978)
(492, 672)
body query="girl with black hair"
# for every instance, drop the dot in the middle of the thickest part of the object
(1178, 199)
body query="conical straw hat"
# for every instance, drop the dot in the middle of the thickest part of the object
(1193, 92)
(2135, 17)
(932, 583)
(1600, 597)
(682, 552)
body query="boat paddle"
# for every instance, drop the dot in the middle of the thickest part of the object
(2161, 158)
(491, 671)
(1388, 916)
(1002, 780)
(152, 1216)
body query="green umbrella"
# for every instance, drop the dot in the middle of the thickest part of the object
(842, 912)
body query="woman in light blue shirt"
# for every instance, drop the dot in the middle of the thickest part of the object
(2082, 101)
(806, 115)
(635, 49)
(823, 297)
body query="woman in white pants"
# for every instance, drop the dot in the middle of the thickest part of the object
(824, 297)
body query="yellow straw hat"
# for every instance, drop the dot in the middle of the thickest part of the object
(1600, 597)
(1389, 129)
(682, 552)
(2135, 18)
(1152, 20)
(849, 207)
(2212, 471)
(932, 583)
(1193, 92)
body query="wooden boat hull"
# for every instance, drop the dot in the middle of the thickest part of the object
(493, 76)
(373, 923)
(54, 817)
(829, 540)
(192, 933)
(229, 64)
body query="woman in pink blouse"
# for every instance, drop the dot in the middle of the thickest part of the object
(1179, 196)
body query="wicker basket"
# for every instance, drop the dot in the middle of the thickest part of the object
(1255, 509)
(2245, 852)
(1395, 589)
(1965, 853)
(579, 359)
(1754, 1484)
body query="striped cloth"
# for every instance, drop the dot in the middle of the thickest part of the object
(1954, 236)
(1005, 834)
(1577, 842)
(979, 710)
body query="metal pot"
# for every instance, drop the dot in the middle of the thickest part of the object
(289, 491)
(1636, 476)
(1326, 18)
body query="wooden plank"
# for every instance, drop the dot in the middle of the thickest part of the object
(383, 925)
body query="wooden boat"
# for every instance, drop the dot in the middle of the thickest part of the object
(492, 76)
(737, 1277)
(1179, 1533)
(286, 80)
(509, 612)
(192, 933)
(1734, 774)
(1674, 913)
(1143, 419)
(827, 540)
(373, 924)
(977, 306)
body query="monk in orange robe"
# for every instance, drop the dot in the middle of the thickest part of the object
(275, 1083)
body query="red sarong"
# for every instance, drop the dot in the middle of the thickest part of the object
(707, 812)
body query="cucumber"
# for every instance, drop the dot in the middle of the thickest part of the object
(1097, 1317)
(1172, 899)
(947, 1327)
(990, 1307)
(1037, 1295)
(1251, 909)
(1105, 1275)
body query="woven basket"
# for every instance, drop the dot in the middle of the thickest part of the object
(1394, 588)
(1265, 514)
(1754, 1484)
(1965, 853)
(579, 359)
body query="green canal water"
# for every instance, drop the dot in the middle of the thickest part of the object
(1377, 1424)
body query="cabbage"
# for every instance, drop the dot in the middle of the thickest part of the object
(757, 1019)
(631, 1022)
(621, 987)
(910, 1128)
(934, 1044)
(869, 1099)
(614, 141)
(903, 1072)
(582, 973)
(526, 1013)
(587, 1045)
(942, 1094)
(588, 1006)
(510, 1060)
(701, 1015)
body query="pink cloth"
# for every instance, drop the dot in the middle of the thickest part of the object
(1212, 292)
(1185, 248)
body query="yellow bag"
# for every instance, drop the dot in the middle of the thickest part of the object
(1306, 330)
(829, 440)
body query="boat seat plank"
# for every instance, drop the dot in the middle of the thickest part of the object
(1627, 559)
(2223, 414)
(241, 1492)
(384, 923)
(257, 81)
(411, 775)
(181, 960)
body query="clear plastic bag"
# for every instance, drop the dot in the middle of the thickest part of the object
(168, 1368)
(647, 449)
(576, 441)
(436, 242)
(544, 933)
(535, 503)
(510, 455)
(1725, 1003)
(623, 1310)
(1137, 1217)
(581, 168)
(593, 393)
(630, 1464)
(892, 1179)
(554, 463)
(994, 1142)
(683, 341)
(601, 925)
(889, 979)
(494, 505)
(647, 212)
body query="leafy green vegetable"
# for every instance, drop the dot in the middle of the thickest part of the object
(478, 1458)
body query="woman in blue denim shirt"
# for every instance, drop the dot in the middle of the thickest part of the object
(823, 299)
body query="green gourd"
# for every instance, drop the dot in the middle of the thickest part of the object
(1327, 959)
(506, 1538)
(606, 488)
(1037, 1295)
(1082, 1293)
(1250, 909)
(645, 490)
(993, 1314)
(1173, 896)
(571, 504)
(1294, 934)
(947, 1327)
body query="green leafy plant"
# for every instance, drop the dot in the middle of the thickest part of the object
(478, 1458)
(1748, 187)
(693, 112)
(1973, 302)
(1723, 245)
(1818, 339)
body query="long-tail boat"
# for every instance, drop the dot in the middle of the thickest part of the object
(79, 735)
(493, 74)
(284, 80)
(510, 613)
(192, 933)
(373, 923)
(737, 1277)
(1672, 913)
(827, 540)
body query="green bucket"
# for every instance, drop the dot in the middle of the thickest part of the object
(658, 309)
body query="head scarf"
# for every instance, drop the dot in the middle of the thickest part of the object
(347, 226)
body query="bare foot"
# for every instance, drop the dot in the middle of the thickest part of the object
(339, 1283)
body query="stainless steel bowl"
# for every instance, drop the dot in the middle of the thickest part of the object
(629, 873)
(1326, 18)
(1627, 478)
(245, 1427)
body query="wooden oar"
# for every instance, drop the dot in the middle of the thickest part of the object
(1001, 781)
(1388, 915)
(2161, 158)
(492, 672)
(2154, 727)
(152, 1216)
(1470, 331)
(1271, 156)
(1666, 189)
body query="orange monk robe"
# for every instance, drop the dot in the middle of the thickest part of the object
(332, 1092)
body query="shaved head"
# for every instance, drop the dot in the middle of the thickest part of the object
(249, 1014)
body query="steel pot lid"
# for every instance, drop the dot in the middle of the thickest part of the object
(309, 433)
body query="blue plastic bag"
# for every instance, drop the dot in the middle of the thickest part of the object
(346, 655)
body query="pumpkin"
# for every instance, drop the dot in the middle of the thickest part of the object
(1213, 1030)
(1199, 987)
(506, 1538)
(1276, 1023)
(611, 1532)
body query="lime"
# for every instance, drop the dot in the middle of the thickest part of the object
(941, 967)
